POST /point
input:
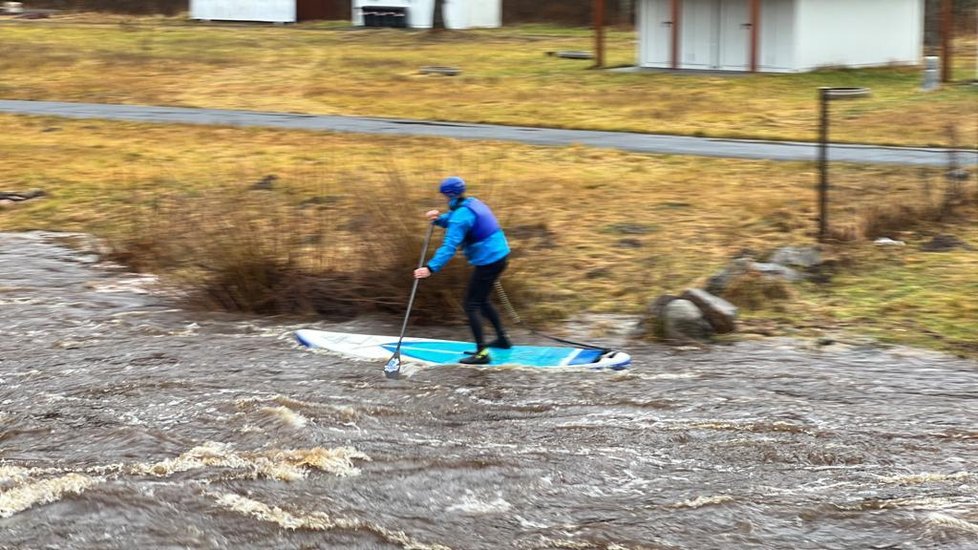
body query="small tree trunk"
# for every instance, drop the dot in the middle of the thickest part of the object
(438, 17)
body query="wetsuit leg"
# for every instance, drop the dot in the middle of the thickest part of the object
(490, 313)
(477, 299)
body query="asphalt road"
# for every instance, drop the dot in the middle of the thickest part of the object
(626, 141)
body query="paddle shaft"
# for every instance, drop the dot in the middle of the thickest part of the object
(508, 306)
(414, 289)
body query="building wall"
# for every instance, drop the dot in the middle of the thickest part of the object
(858, 33)
(485, 13)
(274, 11)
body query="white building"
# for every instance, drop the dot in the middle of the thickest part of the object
(267, 11)
(779, 35)
(459, 14)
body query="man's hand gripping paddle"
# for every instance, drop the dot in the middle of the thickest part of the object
(393, 367)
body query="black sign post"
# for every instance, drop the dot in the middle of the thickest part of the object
(825, 95)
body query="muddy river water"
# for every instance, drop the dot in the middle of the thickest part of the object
(126, 422)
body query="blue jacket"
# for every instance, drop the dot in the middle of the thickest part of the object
(458, 223)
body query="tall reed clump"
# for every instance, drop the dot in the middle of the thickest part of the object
(890, 218)
(943, 195)
(286, 245)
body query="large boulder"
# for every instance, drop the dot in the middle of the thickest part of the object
(651, 323)
(681, 320)
(721, 314)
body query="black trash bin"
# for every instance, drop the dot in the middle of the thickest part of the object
(400, 18)
(369, 17)
(384, 16)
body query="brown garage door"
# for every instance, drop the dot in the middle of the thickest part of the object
(331, 10)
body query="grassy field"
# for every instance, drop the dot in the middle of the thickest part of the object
(507, 78)
(595, 230)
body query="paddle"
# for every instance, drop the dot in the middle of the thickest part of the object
(393, 367)
(508, 306)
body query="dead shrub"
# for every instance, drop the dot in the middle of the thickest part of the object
(888, 220)
(240, 248)
(754, 290)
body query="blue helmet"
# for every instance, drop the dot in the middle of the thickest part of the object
(452, 187)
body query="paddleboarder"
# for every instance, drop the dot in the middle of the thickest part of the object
(470, 223)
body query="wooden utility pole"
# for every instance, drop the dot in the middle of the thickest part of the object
(947, 37)
(598, 34)
(755, 29)
(675, 24)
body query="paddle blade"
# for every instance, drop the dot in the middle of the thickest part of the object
(393, 367)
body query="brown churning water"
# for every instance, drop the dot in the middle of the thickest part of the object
(128, 423)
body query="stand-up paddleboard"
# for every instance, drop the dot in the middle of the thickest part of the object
(448, 352)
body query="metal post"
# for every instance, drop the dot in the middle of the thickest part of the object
(823, 163)
(826, 94)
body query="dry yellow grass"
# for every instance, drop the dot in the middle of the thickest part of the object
(594, 229)
(506, 79)
(600, 219)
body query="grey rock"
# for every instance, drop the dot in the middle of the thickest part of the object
(721, 314)
(658, 305)
(651, 322)
(718, 283)
(683, 321)
(777, 270)
(802, 257)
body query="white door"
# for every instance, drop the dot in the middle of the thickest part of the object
(655, 40)
(699, 34)
(735, 33)
(777, 51)
(716, 35)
